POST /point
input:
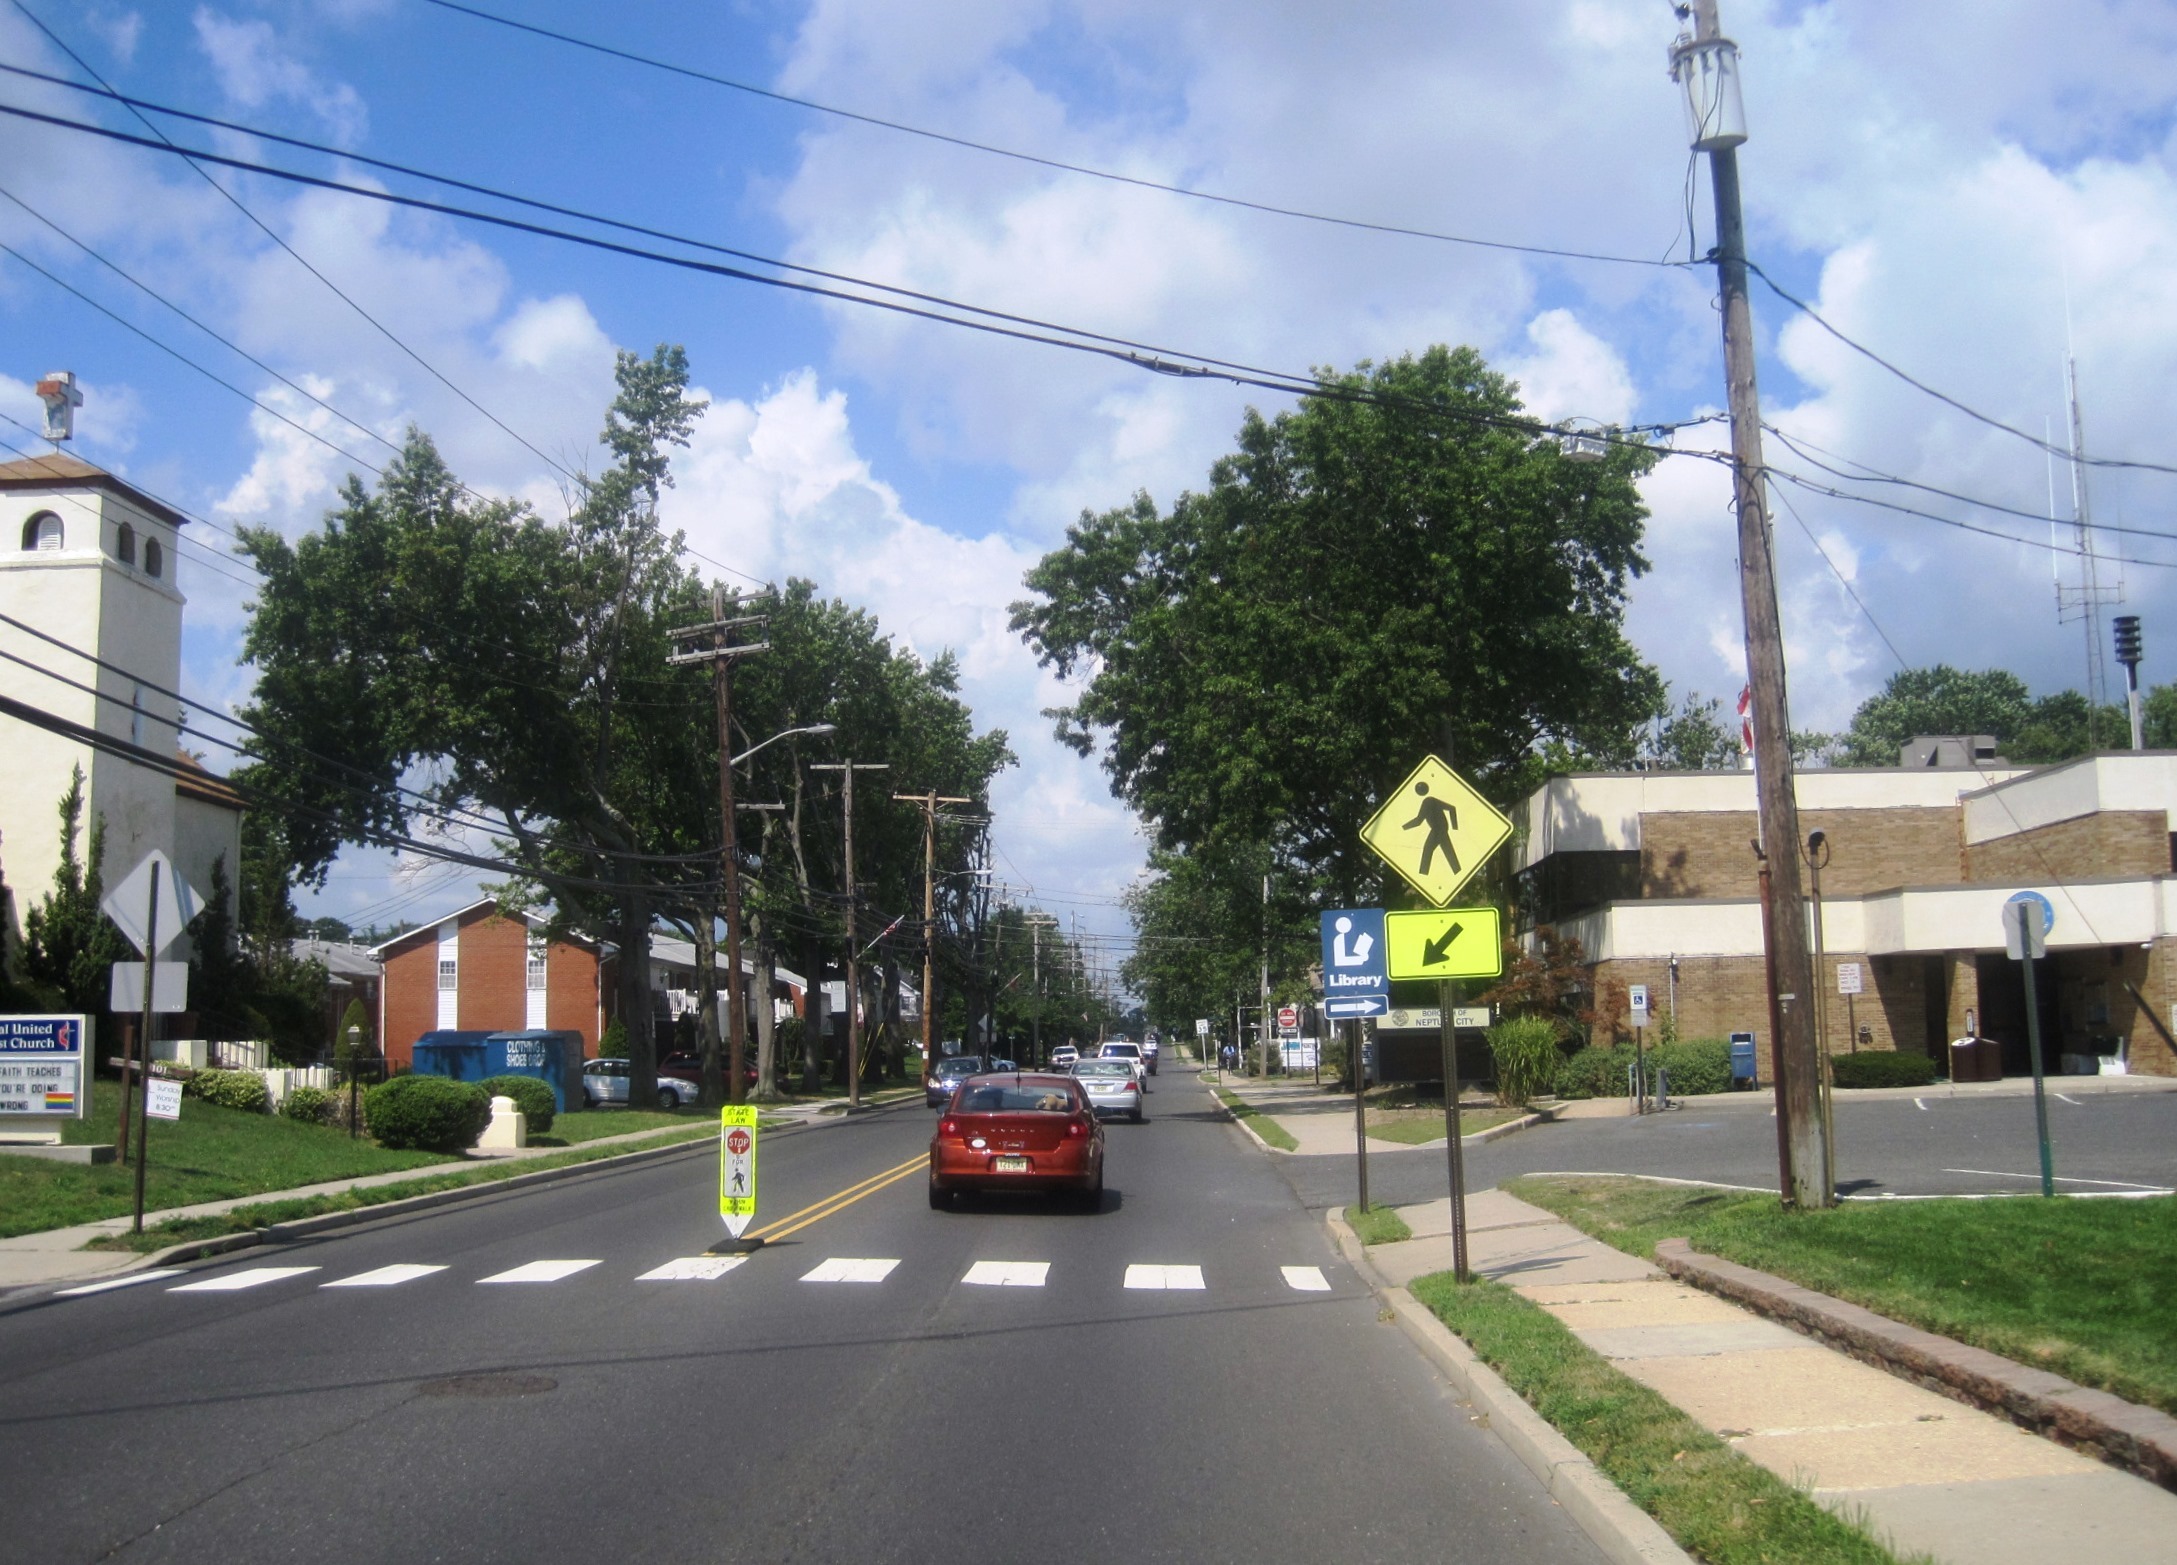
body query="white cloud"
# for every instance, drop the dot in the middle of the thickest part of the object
(254, 71)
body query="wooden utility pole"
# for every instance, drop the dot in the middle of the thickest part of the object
(928, 803)
(723, 631)
(1708, 57)
(847, 769)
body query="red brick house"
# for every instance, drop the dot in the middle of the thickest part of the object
(477, 969)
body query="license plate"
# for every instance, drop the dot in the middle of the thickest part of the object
(1012, 1165)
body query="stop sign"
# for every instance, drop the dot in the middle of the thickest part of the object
(738, 1143)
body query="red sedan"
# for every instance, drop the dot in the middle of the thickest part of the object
(1018, 1132)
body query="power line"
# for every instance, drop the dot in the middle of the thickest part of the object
(1812, 487)
(1056, 164)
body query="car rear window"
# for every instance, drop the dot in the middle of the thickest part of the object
(1101, 1068)
(1019, 1098)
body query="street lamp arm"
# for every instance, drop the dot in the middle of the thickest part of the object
(788, 733)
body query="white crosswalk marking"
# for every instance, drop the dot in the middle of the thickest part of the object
(693, 1268)
(383, 1277)
(235, 1282)
(1008, 1274)
(847, 1269)
(1308, 1279)
(539, 1271)
(1164, 1277)
(112, 1283)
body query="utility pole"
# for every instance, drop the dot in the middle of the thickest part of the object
(928, 803)
(1706, 66)
(846, 770)
(725, 647)
(1264, 1053)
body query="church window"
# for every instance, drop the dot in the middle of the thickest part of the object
(154, 557)
(124, 544)
(44, 531)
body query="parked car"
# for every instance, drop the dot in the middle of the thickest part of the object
(1123, 1049)
(1112, 1087)
(687, 1067)
(603, 1082)
(1019, 1132)
(947, 1074)
(1063, 1057)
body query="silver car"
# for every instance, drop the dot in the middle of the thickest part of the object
(1112, 1086)
(1121, 1049)
(604, 1081)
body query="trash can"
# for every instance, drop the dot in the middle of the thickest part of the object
(1745, 1067)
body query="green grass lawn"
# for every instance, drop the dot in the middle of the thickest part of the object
(2078, 1287)
(571, 1130)
(209, 1154)
(1378, 1225)
(1414, 1127)
(1720, 1506)
(1264, 1126)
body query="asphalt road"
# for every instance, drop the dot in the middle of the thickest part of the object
(1895, 1145)
(759, 1415)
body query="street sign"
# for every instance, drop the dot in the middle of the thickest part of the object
(42, 1066)
(1637, 997)
(1353, 966)
(1457, 942)
(165, 1099)
(1201, 1027)
(1436, 831)
(2031, 931)
(1288, 1018)
(1427, 1018)
(1849, 979)
(737, 1166)
(128, 902)
(125, 989)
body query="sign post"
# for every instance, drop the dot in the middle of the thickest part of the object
(1637, 997)
(1850, 984)
(2027, 919)
(737, 1174)
(1356, 983)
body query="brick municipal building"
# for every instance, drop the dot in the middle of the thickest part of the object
(1655, 874)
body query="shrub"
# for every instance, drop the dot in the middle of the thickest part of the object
(1523, 1051)
(1881, 1068)
(1694, 1068)
(243, 1090)
(427, 1114)
(612, 1044)
(311, 1105)
(1594, 1073)
(530, 1095)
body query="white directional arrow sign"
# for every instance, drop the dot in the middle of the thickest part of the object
(129, 903)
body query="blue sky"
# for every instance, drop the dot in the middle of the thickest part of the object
(1936, 178)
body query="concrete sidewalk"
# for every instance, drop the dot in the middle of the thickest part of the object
(1924, 1472)
(57, 1254)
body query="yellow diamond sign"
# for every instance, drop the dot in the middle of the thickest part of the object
(1436, 831)
(1452, 942)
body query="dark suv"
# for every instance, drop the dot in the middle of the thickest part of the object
(947, 1074)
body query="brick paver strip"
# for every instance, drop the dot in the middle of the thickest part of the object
(2141, 1440)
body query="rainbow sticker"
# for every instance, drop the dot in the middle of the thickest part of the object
(59, 1102)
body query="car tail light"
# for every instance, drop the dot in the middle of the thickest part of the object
(950, 1127)
(1074, 1127)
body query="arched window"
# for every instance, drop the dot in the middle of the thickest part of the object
(124, 544)
(153, 557)
(44, 531)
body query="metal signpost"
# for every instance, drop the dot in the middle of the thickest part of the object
(1850, 984)
(737, 1173)
(2027, 919)
(1637, 999)
(1356, 984)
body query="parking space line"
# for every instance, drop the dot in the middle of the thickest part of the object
(1308, 1279)
(383, 1277)
(848, 1269)
(1008, 1274)
(539, 1271)
(235, 1282)
(1163, 1277)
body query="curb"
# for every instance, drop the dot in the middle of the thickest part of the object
(1620, 1529)
(1478, 1138)
(307, 1227)
(2139, 1440)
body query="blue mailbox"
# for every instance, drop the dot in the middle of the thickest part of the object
(1745, 1068)
(553, 1056)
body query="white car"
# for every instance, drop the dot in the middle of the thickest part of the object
(1064, 1056)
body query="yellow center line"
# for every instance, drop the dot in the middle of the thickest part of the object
(818, 1210)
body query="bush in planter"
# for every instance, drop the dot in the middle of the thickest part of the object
(1694, 1068)
(1881, 1068)
(427, 1114)
(244, 1090)
(1594, 1073)
(1524, 1056)
(311, 1105)
(530, 1095)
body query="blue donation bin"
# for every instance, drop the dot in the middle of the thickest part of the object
(450, 1053)
(1745, 1070)
(553, 1057)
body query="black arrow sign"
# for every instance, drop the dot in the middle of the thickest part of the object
(1438, 950)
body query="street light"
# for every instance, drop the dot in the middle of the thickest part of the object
(785, 733)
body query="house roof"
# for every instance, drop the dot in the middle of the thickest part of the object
(429, 931)
(338, 957)
(198, 783)
(57, 471)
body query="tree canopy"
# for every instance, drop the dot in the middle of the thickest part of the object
(1386, 570)
(2030, 731)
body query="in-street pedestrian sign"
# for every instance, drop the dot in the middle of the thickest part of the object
(1436, 831)
(1354, 980)
(737, 1165)
(1456, 942)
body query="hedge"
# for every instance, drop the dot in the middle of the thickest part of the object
(1692, 1069)
(427, 1114)
(1881, 1068)
(311, 1105)
(530, 1095)
(243, 1090)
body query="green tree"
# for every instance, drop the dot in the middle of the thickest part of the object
(1945, 700)
(1199, 927)
(1361, 582)
(69, 945)
(1694, 738)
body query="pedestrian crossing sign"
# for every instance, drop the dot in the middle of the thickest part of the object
(737, 1165)
(1436, 831)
